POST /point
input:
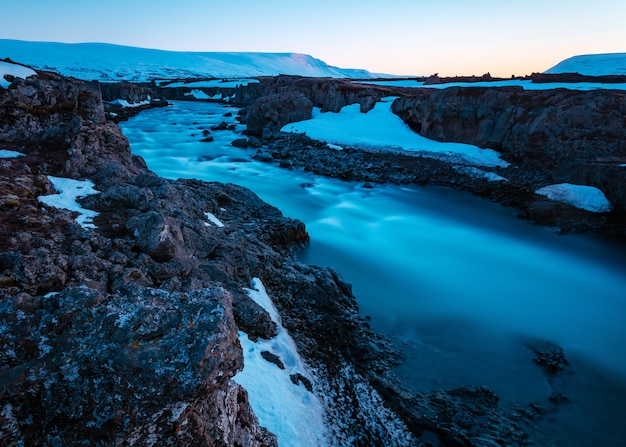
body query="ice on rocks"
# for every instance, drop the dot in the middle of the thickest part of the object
(69, 191)
(294, 414)
(19, 71)
(584, 197)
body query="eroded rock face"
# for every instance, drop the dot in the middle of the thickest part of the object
(286, 99)
(568, 136)
(124, 335)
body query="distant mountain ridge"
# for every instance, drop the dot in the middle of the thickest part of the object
(109, 62)
(592, 65)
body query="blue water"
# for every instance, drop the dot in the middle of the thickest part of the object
(458, 282)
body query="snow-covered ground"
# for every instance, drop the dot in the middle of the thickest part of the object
(19, 71)
(381, 128)
(107, 62)
(213, 83)
(294, 414)
(526, 85)
(592, 65)
(69, 191)
(213, 219)
(584, 197)
(125, 103)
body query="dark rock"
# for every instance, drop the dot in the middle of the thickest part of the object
(551, 359)
(221, 126)
(207, 140)
(263, 156)
(298, 378)
(254, 142)
(240, 143)
(83, 345)
(273, 358)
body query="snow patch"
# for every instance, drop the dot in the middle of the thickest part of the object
(5, 153)
(198, 94)
(592, 65)
(381, 128)
(294, 414)
(69, 191)
(213, 219)
(19, 71)
(584, 197)
(125, 103)
(214, 83)
(473, 172)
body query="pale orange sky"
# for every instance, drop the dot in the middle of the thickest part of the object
(449, 37)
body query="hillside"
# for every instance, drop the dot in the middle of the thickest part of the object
(107, 62)
(592, 65)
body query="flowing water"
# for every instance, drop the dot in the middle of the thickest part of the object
(458, 282)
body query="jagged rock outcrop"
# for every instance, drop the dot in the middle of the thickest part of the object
(566, 135)
(124, 335)
(138, 367)
(284, 99)
(129, 91)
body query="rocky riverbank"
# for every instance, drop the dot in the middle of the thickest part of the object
(125, 332)
(547, 137)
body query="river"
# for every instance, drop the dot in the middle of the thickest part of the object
(459, 283)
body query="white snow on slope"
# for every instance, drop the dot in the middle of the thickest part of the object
(69, 191)
(126, 104)
(592, 65)
(213, 83)
(213, 219)
(584, 197)
(19, 71)
(5, 153)
(107, 62)
(290, 411)
(526, 85)
(381, 128)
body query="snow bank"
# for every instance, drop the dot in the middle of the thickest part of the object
(381, 128)
(124, 103)
(473, 172)
(592, 65)
(584, 197)
(291, 412)
(213, 83)
(213, 219)
(198, 94)
(69, 191)
(5, 153)
(19, 71)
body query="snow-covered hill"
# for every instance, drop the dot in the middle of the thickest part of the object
(107, 62)
(592, 65)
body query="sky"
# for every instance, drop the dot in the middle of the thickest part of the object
(412, 37)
